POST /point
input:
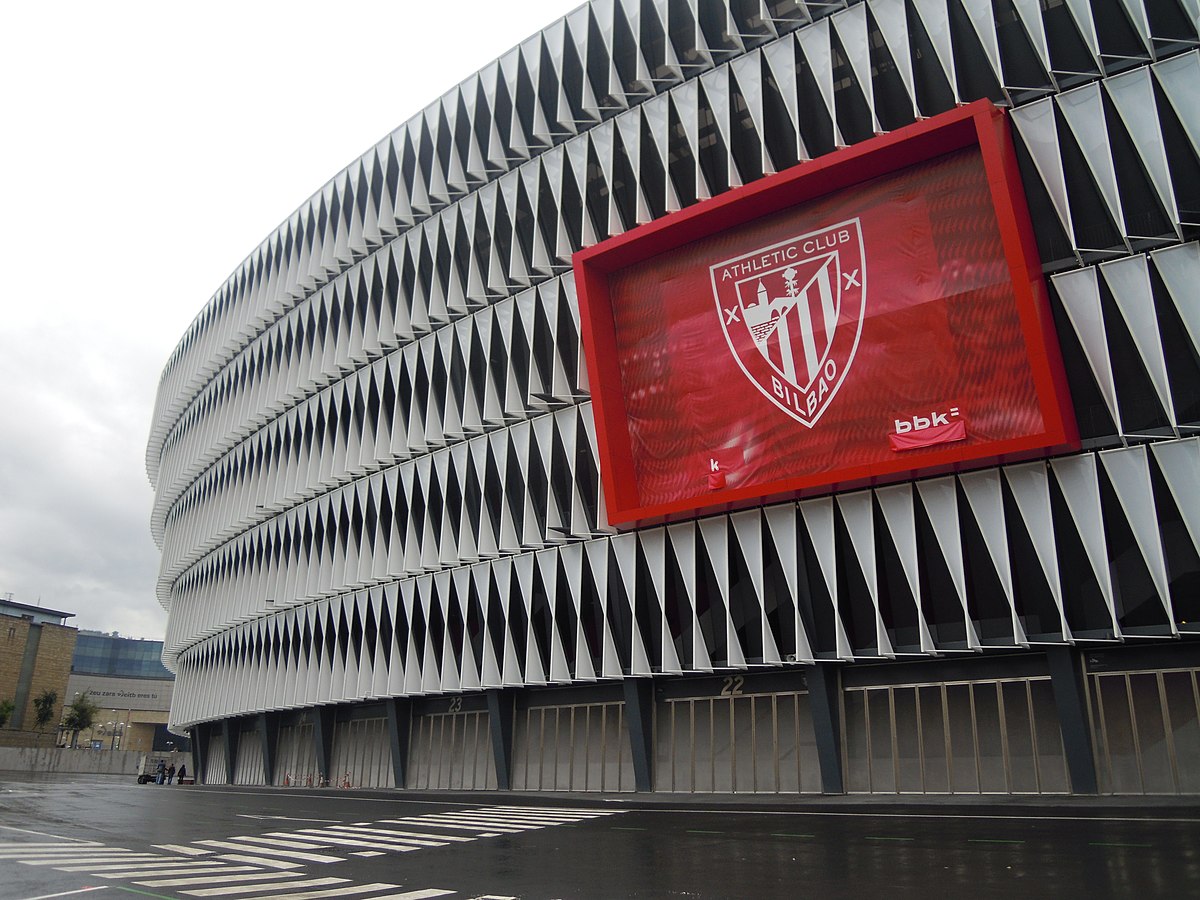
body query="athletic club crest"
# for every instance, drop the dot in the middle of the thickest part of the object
(792, 314)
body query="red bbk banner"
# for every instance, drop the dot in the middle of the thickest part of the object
(875, 314)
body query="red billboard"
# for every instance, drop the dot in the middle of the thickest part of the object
(875, 314)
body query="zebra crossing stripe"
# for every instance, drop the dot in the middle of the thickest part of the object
(263, 861)
(426, 894)
(535, 817)
(345, 891)
(65, 851)
(489, 825)
(277, 842)
(553, 811)
(58, 860)
(233, 844)
(16, 845)
(10, 852)
(479, 822)
(259, 888)
(432, 824)
(451, 838)
(513, 819)
(228, 879)
(420, 841)
(340, 841)
(162, 873)
(182, 848)
(145, 862)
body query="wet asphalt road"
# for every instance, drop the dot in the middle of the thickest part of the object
(572, 848)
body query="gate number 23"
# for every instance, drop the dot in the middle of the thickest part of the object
(731, 685)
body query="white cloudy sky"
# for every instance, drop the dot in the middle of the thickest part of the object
(146, 148)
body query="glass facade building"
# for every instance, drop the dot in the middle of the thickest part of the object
(380, 491)
(107, 654)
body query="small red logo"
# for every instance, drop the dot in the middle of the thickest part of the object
(939, 427)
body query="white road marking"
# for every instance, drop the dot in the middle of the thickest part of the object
(260, 861)
(102, 887)
(534, 817)
(287, 818)
(276, 842)
(433, 824)
(346, 891)
(452, 838)
(367, 853)
(259, 888)
(233, 844)
(227, 879)
(183, 848)
(57, 837)
(15, 849)
(417, 895)
(52, 858)
(509, 820)
(163, 873)
(554, 812)
(471, 817)
(480, 823)
(118, 859)
(427, 841)
(368, 845)
(126, 865)
(5, 845)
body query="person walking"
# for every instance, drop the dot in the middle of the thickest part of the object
(182, 772)
(171, 773)
(160, 772)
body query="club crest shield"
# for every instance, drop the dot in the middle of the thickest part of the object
(792, 314)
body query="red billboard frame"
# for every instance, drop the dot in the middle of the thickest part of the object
(979, 124)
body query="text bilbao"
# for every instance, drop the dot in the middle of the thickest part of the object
(794, 345)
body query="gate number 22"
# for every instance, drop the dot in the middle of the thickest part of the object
(731, 685)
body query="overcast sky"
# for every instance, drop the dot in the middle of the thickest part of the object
(146, 149)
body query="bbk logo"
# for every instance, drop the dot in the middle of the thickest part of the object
(792, 315)
(920, 423)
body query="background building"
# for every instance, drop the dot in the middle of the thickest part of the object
(385, 546)
(35, 656)
(131, 687)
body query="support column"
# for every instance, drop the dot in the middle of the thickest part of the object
(639, 713)
(200, 738)
(500, 720)
(232, 733)
(399, 722)
(325, 717)
(1066, 679)
(824, 696)
(268, 734)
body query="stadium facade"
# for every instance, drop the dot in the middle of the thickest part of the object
(438, 510)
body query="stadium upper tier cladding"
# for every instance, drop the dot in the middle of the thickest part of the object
(377, 468)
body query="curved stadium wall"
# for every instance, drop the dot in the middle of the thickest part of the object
(380, 494)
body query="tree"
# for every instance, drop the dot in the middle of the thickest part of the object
(6, 709)
(43, 706)
(79, 716)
